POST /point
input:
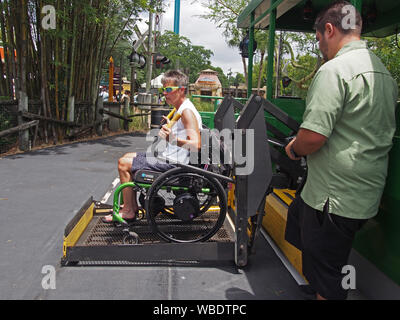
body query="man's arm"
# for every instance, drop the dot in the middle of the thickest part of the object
(305, 143)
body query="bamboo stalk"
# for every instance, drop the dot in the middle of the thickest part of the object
(10, 35)
(43, 73)
(56, 77)
(6, 50)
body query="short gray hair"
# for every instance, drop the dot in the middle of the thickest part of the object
(177, 77)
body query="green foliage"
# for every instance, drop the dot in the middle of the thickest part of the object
(202, 105)
(301, 51)
(120, 16)
(261, 37)
(183, 55)
(302, 43)
(239, 78)
(389, 52)
(224, 14)
(7, 121)
(308, 63)
(221, 76)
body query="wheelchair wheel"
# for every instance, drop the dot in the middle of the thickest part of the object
(206, 203)
(198, 203)
(130, 238)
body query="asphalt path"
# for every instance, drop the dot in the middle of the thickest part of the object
(41, 191)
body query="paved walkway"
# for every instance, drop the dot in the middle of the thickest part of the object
(41, 191)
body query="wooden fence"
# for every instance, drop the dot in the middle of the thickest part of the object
(22, 124)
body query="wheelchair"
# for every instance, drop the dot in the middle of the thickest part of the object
(185, 204)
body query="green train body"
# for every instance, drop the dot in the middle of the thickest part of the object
(379, 240)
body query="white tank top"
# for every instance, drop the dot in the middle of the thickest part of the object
(173, 152)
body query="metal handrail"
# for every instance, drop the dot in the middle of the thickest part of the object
(216, 99)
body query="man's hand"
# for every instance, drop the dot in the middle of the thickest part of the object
(289, 152)
(307, 142)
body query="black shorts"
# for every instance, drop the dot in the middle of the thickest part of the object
(325, 240)
(141, 162)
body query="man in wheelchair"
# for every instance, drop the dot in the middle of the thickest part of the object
(181, 138)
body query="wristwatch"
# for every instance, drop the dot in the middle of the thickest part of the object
(294, 154)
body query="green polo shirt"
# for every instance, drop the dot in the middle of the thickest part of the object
(351, 101)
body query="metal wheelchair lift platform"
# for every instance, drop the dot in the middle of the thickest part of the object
(88, 240)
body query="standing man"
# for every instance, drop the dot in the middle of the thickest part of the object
(346, 134)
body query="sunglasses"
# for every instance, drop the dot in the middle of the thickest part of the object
(168, 89)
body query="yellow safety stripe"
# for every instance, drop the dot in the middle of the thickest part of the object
(76, 232)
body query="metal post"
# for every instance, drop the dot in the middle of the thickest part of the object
(120, 77)
(133, 80)
(177, 16)
(149, 61)
(250, 51)
(271, 50)
(111, 80)
(150, 53)
(215, 105)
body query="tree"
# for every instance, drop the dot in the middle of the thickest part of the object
(388, 50)
(221, 76)
(302, 67)
(224, 14)
(299, 61)
(262, 44)
(183, 54)
(55, 65)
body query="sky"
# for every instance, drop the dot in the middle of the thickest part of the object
(201, 32)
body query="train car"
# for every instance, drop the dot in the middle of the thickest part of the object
(376, 249)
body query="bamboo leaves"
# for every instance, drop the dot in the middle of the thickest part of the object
(54, 50)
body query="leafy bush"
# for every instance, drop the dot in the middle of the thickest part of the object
(203, 105)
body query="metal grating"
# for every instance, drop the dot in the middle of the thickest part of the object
(107, 234)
